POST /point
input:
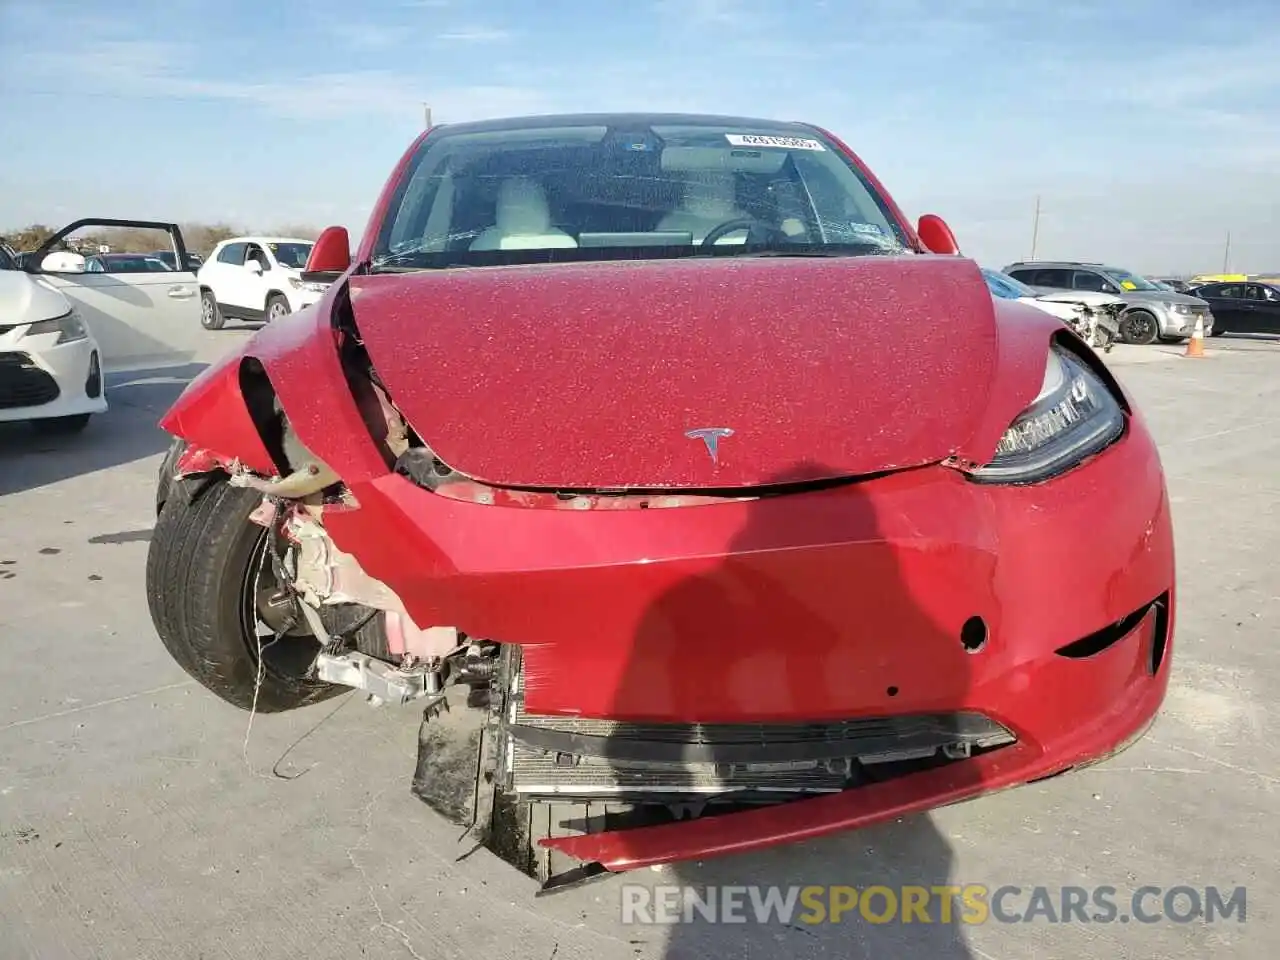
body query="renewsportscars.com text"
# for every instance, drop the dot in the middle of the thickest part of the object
(966, 904)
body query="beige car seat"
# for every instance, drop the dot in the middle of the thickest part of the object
(522, 220)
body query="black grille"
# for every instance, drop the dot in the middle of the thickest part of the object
(23, 384)
(556, 756)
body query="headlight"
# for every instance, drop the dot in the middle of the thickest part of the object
(68, 327)
(1183, 308)
(1072, 418)
(295, 282)
(312, 287)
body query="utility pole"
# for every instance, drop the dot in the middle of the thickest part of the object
(1035, 228)
(1226, 254)
(426, 116)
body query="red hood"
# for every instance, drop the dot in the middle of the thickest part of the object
(590, 375)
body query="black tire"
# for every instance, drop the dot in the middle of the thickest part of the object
(164, 476)
(1139, 327)
(277, 307)
(62, 426)
(211, 317)
(199, 582)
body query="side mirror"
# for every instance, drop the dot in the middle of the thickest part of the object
(330, 256)
(937, 236)
(62, 262)
(254, 267)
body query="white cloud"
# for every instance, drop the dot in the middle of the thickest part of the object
(152, 70)
(475, 35)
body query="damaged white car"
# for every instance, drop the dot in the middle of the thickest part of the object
(1094, 316)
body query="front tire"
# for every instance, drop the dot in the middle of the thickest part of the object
(277, 307)
(204, 581)
(211, 317)
(1139, 327)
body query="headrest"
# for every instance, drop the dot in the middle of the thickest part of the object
(522, 207)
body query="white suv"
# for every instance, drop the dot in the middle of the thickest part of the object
(255, 278)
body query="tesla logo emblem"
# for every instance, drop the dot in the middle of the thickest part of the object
(711, 436)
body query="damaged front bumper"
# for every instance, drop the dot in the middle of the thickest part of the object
(1045, 611)
(698, 650)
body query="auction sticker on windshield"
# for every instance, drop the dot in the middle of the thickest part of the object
(763, 140)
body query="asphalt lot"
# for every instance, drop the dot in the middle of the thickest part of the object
(138, 821)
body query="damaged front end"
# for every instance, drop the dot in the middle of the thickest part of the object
(1096, 325)
(517, 777)
(589, 660)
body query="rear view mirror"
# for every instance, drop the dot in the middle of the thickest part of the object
(62, 262)
(937, 236)
(253, 266)
(330, 256)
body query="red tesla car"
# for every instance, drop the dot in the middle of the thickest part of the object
(700, 500)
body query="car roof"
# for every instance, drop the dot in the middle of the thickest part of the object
(1061, 263)
(620, 120)
(257, 238)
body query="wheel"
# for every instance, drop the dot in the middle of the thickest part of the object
(277, 307)
(164, 476)
(211, 317)
(61, 426)
(1139, 326)
(211, 594)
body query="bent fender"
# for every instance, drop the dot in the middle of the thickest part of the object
(211, 415)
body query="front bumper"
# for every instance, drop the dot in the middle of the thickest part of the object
(844, 603)
(39, 382)
(305, 296)
(1183, 325)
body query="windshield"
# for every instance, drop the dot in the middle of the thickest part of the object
(1130, 281)
(596, 192)
(293, 255)
(1005, 287)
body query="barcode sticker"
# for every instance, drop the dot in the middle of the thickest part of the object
(763, 140)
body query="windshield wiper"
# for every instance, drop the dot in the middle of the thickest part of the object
(869, 251)
(801, 253)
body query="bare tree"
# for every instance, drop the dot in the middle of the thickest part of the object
(200, 238)
(294, 230)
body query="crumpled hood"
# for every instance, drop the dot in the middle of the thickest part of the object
(1090, 298)
(592, 375)
(26, 299)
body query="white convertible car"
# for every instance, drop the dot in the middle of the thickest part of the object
(62, 329)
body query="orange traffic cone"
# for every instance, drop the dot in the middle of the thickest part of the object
(1195, 346)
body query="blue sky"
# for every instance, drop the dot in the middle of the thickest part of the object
(1148, 127)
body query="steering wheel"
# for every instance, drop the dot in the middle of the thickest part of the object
(751, 224)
